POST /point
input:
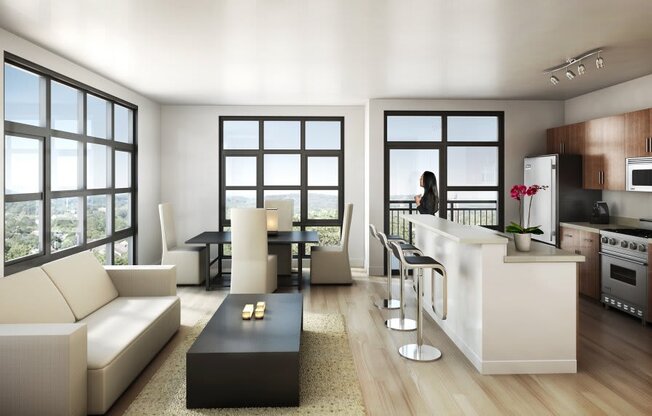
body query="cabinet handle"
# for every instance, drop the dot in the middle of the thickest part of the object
(588, 240)
(568, 235)
(561, 148)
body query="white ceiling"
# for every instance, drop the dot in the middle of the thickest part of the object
(340, 51)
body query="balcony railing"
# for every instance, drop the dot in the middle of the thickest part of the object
(470, 212)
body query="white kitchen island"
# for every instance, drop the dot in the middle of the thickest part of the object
(508, 312)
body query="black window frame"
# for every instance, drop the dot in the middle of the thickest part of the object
(303, 187)
(442, 146)
(45, 134)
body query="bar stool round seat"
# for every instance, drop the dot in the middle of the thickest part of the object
(419, 351)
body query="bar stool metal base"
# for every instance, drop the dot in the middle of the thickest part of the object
(417, 352)
(398, 324)
(389, 304)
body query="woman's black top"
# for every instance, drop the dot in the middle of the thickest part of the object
(429, 204)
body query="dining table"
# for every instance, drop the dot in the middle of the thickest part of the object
(221, 238)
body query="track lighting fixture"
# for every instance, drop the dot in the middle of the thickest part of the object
(581, 69)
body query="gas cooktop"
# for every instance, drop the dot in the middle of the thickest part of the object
(635, 232)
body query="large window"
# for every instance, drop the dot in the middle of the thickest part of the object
(70, 158)
(298, 158)
(463, 149)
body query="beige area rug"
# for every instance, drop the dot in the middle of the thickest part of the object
(328, 380)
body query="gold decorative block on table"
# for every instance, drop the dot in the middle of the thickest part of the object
(248, 311)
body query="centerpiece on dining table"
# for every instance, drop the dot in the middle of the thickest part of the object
(523, 233)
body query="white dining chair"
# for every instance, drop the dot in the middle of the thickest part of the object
(330, 264)
(253, 270)
(283, 252)
(190, 261)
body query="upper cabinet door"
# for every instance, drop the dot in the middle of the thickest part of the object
(637, 133)
(613, 147)
(593, 160)
(555, 139)
(574, 144)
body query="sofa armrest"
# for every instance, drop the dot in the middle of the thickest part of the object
(44, 369)
(144, 280)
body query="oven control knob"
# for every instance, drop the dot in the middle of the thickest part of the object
(624, 244)
(612, 241)
(604, 240)
(641, 247)
(633, 246)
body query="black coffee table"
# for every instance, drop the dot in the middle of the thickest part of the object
(237, 363)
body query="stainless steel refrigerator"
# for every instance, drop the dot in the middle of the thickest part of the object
(564, 200)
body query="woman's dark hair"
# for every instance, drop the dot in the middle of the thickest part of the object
(430, 199)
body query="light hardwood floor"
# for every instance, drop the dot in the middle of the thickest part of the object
(614, 359)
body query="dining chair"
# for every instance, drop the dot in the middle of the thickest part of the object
(330, 264)
(190, 261)
(253, 270)
(283, 252)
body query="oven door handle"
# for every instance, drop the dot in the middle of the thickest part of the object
(640, 263)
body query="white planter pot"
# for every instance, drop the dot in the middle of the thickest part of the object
(523, 241)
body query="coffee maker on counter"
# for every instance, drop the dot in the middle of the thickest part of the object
(600, 213)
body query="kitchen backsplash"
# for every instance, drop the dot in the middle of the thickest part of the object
(629, 204)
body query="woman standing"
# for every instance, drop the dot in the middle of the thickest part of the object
(428, 203)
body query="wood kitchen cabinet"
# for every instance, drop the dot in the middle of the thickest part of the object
(587, 244)
(638, 133)
(604, 153)
(590, 269)
(566, 139)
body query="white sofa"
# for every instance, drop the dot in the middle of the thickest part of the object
(75, 334)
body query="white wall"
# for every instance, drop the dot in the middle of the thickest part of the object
(149, 121)
(190, 159)
(621, 98)
(525, 134)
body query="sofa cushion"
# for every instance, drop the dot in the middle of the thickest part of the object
(30, 297)
(82, 280)
(112, 328)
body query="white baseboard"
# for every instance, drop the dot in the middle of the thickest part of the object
(529, 367)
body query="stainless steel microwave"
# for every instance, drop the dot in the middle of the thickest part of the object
(639, 174)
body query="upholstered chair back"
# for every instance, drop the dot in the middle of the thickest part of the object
(168, 230)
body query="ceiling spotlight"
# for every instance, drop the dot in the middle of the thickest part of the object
(581, 69)
(570, 74)
(599, 62)
(554, 80)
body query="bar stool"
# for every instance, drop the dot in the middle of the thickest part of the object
(387, 303)
(401, 323)
(421, 351)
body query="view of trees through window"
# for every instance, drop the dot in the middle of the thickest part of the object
(266, 158)
(68, 169)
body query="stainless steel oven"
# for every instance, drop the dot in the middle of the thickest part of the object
(639, 174)
(624, 272)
